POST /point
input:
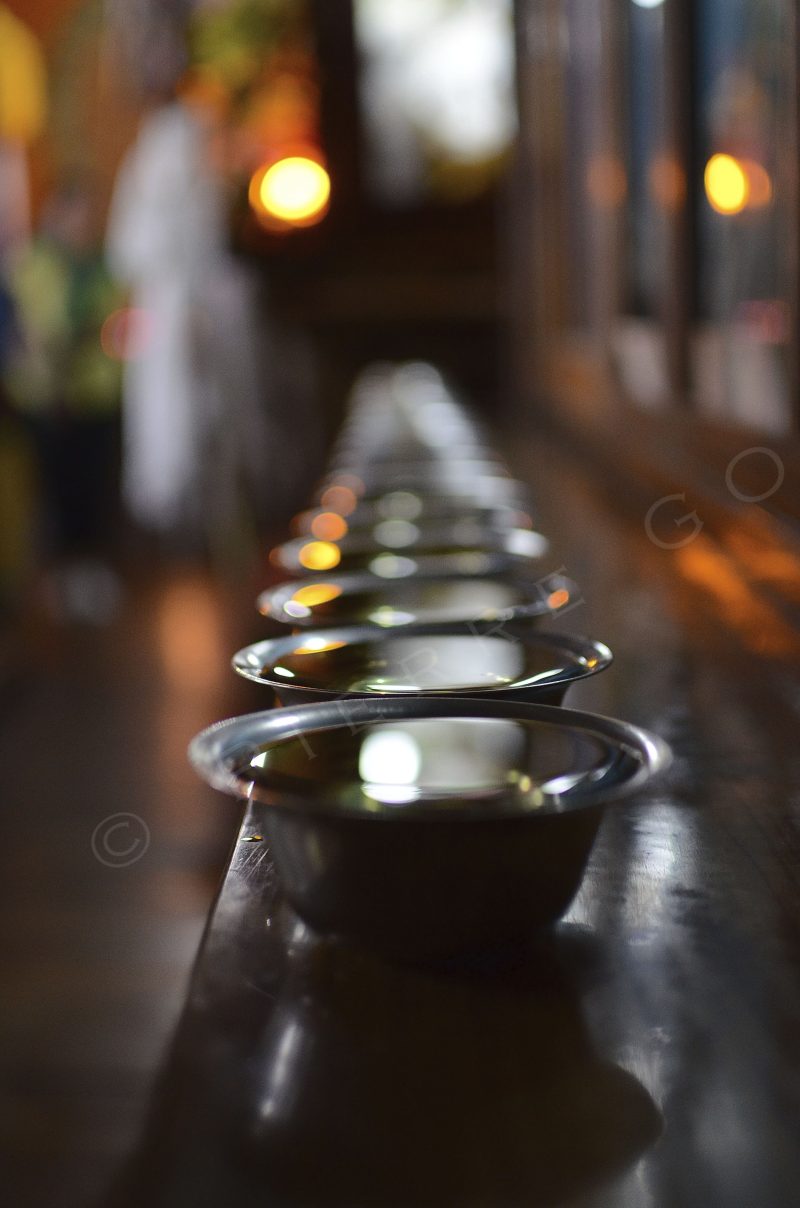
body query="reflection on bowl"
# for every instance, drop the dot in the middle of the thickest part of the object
(444, 548)
(492, 1083)
(429, 827)
(408, 507)
(486, 487)
(511, 660)
(407, 596)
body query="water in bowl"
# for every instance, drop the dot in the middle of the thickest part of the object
(492, 765)
(413, 663)
(404, 601)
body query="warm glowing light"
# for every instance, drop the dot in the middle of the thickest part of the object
(727, 184)
(295, 190)
(319, 555)
(329, 526)
(760, 626)
(557, 599)
(318, 646)
(190, 638)
(316, 593)
(339, 499)
(760, 185)
(23, 80)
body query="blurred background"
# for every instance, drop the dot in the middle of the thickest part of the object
(213, 214)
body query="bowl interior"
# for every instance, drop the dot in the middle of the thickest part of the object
(365, 660)
(369, 598)
(534, 759)
(485, 552)
(410, 508)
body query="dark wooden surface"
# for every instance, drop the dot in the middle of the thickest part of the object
(643, 1056)
(95, 951)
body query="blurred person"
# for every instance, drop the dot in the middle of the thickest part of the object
(65, 387)
(193, 428)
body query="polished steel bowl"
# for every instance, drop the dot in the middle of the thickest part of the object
(429, 828)
(485, 487)
(422, 511)
(443, 550)
(417, 596)
(504, 661)
(423, 537)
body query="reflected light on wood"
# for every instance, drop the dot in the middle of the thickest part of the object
(191, 644)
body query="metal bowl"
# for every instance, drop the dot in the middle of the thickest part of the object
(416, 597)
(453, 463)
(484, 487)
(506, 661)
(414, 509)
(429, 828)
(423, 537)
(442, 551)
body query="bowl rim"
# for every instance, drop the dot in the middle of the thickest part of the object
(597, 655)
(487, 562)
(477, 487)
(490, 541)
(355, 582)
(214, 752)
(476, 513)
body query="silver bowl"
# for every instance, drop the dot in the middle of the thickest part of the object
(444, 550)
(416, 597)
(423, 511)
(423, 537)
(429, 828)
(507, 661)
(484, 487)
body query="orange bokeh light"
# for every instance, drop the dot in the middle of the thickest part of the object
(294, 191)
(329, 526)
(760, 184)
(319, 555)
(340, 499)
(726, 183)
(557, 599)
(316, 593)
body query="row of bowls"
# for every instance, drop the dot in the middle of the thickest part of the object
(426, 792)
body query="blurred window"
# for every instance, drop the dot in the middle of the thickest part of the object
(437, 94)
(654, 188)
(743, 199)
(649, 169)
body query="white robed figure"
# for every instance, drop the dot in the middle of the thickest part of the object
(193, 426)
